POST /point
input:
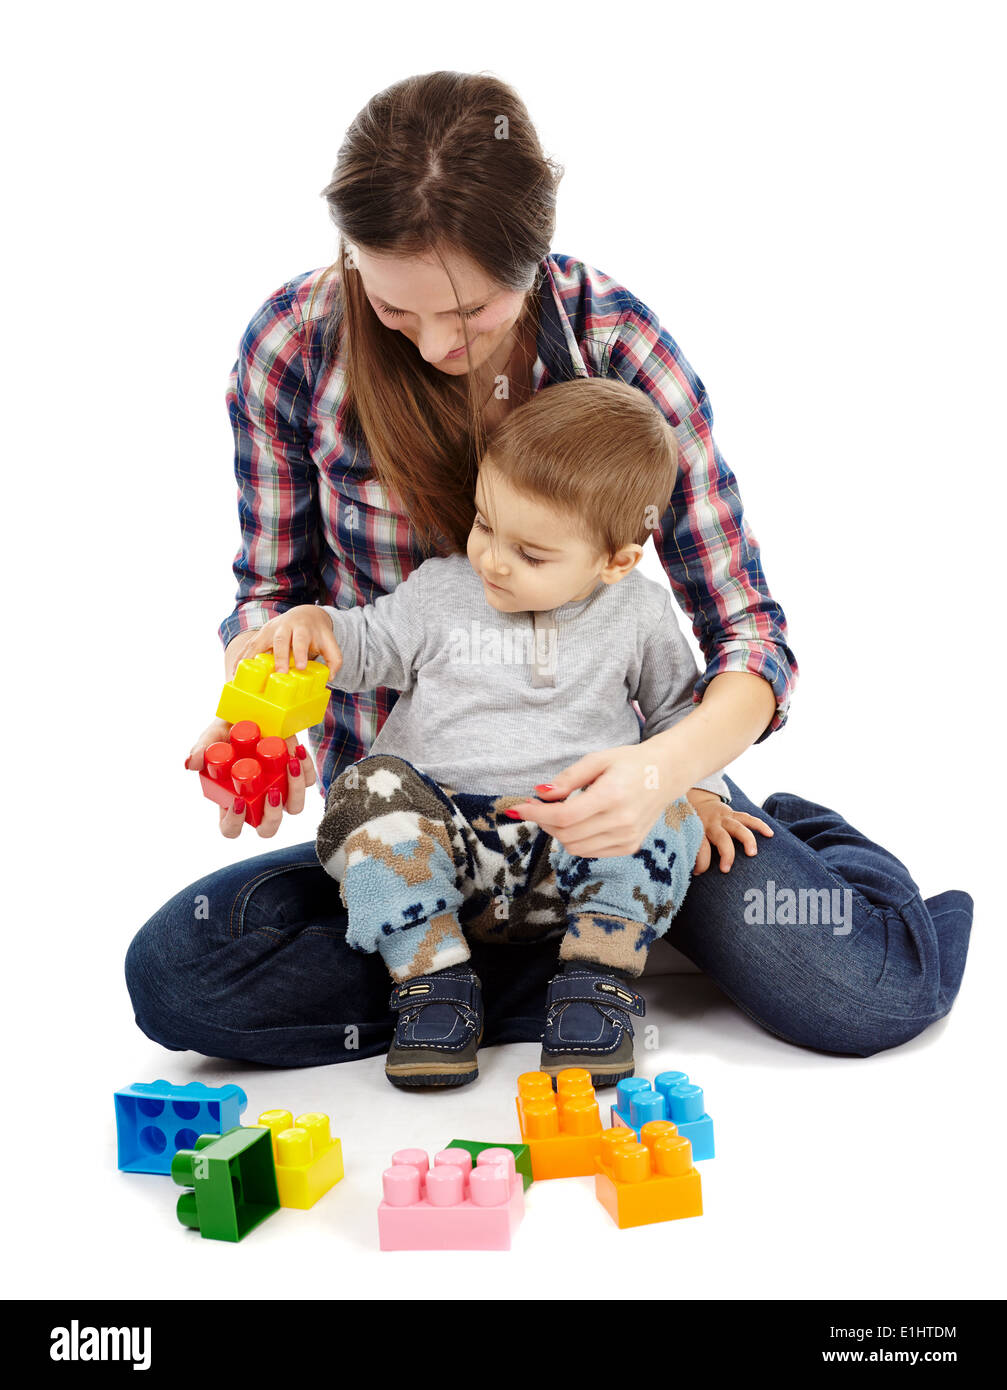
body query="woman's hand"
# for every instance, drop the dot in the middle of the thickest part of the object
(300, 775)
(628, 791)
(303, 632)
(723, 826)
(301, 772)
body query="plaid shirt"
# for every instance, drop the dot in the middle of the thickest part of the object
(313, 531)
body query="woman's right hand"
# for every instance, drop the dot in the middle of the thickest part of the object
(300, 769)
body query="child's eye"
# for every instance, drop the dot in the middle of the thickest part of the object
(480, 525)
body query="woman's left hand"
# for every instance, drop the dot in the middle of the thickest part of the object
(627, 790)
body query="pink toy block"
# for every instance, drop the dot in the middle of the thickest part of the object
(451, 1206)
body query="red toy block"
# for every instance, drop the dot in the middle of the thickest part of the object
(246, 765)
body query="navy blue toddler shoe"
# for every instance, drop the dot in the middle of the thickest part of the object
(587, 1023)
(439, 1029)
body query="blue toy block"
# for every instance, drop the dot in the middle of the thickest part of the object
(154, 1119)
(672, 1097)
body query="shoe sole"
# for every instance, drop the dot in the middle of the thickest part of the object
(602, 1074)
(418, 1074)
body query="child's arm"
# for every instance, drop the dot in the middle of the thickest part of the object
(381, 642)
(377, 644)
(668, 673)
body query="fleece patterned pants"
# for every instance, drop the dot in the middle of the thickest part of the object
(423, 869)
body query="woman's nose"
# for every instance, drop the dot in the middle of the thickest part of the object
(435, 345)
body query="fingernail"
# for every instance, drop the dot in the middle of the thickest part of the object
(274, 796)
(294, 768)
(513, 815)
(301, 751)
(545, 787)
(239, 805)
(187, 764)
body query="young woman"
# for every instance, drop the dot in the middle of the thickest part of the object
(360, 402)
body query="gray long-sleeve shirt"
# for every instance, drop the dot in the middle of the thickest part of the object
(495, 702)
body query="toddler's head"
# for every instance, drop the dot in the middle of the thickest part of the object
(570, 486)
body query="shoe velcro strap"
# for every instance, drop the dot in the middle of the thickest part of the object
(596, 989)
(428, 989)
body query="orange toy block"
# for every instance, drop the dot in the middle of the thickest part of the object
(655, 1180)
(562, 1130)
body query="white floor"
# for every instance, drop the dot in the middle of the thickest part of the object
(834, 1176)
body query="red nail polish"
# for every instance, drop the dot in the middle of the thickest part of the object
(513, 815)
(274, 796)
(301, 751)
(294, 768)
(239, 805)
(544, 787)
(187, 764)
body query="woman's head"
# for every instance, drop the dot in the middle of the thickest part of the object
(571, 486)
(417, 297)
(445, 204)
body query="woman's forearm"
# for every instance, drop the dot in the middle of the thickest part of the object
(737, 706)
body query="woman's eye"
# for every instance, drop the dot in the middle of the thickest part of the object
(481, 525)
(397, 313)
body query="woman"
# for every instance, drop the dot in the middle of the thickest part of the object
(360, 402)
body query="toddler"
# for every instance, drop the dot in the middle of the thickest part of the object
(514, 661)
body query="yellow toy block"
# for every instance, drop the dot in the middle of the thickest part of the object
(308, 1160)
(654, 1180)
(280, 703)
(563, 1131)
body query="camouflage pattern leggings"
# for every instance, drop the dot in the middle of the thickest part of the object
(423, 869)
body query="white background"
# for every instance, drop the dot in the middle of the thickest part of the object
(810, 198)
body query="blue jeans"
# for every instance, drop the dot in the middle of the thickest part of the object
(251, 962)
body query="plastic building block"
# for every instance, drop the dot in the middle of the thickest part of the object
(522, 1157)
(153, 1119)
(308, 1160)
(245, 765)
(233, 1183)
(654, 1180)
(451, 1206)
(672, 1097)
(281, 704)
(562, 1130)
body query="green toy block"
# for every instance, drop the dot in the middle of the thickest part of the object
(522, 1155)
(233, 1178)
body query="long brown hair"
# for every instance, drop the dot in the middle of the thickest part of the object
(443, 161)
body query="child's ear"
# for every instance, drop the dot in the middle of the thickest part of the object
(622, 563)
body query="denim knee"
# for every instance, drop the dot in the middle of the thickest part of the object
(151, 987)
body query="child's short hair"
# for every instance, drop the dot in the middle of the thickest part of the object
(596, 449)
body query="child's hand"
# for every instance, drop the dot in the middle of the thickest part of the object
(723, 826)
(304, 631)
